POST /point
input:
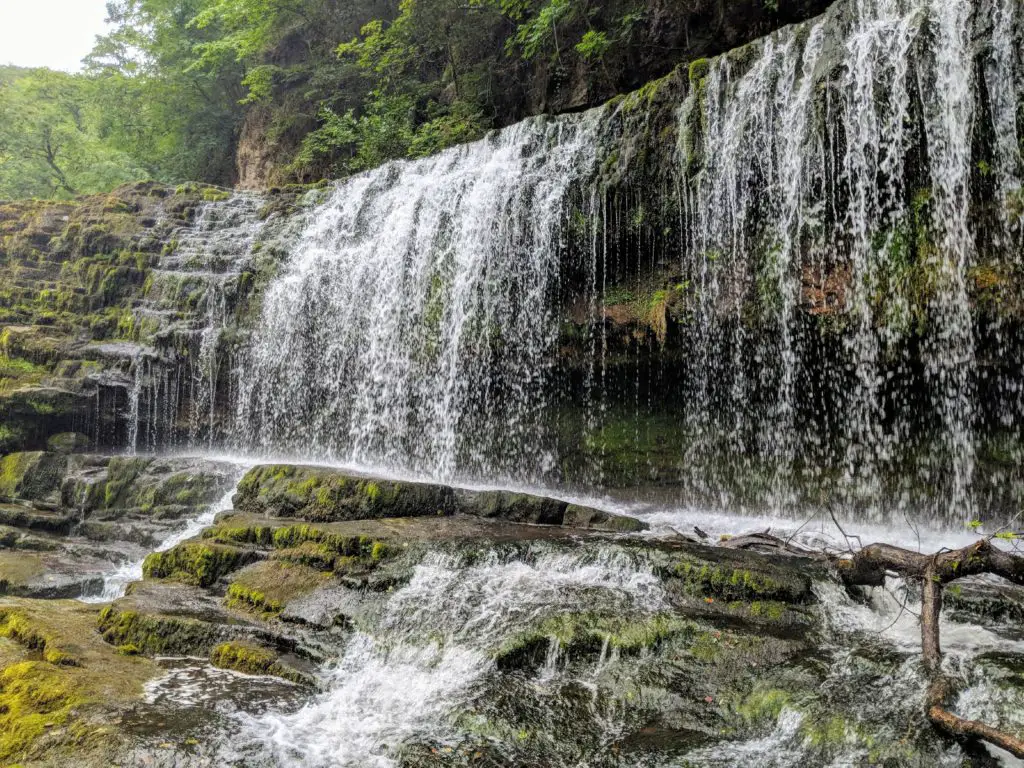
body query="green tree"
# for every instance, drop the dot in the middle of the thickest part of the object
(50, 145)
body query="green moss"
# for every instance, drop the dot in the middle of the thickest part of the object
(763, 706)
(310, 554)
(241, 596)
(34, 697)
(372, 491)
(31, 475)
(268, 586)
(825, 732)
(698, 70)
(17, 626)
(246, 658)
(729, 583)
(196, 563)
(156, 635)
(12, 470)
(379, 550)
(259, 535)
(252, 660)
(582, 632)
(770, 609)
(325, 495)
(214, 195)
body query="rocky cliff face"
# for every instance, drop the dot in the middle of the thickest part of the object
(115, 309)
(671, 32)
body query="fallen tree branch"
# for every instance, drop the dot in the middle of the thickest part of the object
(869, 566)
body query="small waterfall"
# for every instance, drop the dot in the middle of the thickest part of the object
(115, 584)
(188, 300)
(138, 373)
(404, 680)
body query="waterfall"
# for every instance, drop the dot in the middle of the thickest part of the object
(810, 323)
(811, 171)
(413, 325)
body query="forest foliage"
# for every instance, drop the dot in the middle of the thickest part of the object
(343, 85)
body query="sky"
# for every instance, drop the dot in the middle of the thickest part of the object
(49, 33)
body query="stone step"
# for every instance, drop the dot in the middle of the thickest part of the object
(50, 575)
(31, 519)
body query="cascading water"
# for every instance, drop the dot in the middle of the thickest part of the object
(410, 677)
(455, 316)
(413, 325)
(188, 298)
(806, 152)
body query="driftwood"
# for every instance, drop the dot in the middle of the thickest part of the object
(869, 567)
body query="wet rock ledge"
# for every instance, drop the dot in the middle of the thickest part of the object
(277, 586)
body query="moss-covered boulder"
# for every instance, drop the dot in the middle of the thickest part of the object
(321, 494)
(513, 507)
(728, 575)
(35, 476)
(253, 659)
(576, 516)
(196, 562)
(68, 442)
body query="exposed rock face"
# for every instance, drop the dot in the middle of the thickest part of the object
(111, 303)
(68, 522)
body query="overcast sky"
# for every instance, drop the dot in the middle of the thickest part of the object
(49, 33)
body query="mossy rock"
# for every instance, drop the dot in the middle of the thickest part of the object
(252, 659)
(320, 494)
(585, 633)
(58, 694)
(34, 475)
(729, 576)
(158, 634)
(512, 507)
(595, 519)
(195, 562)
(27, 518)
(21, 627)
(50, 575)
(68, 442)
(728, 583)
(267, 587)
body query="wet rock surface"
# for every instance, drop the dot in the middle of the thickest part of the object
(303, 624)
(69, 521)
